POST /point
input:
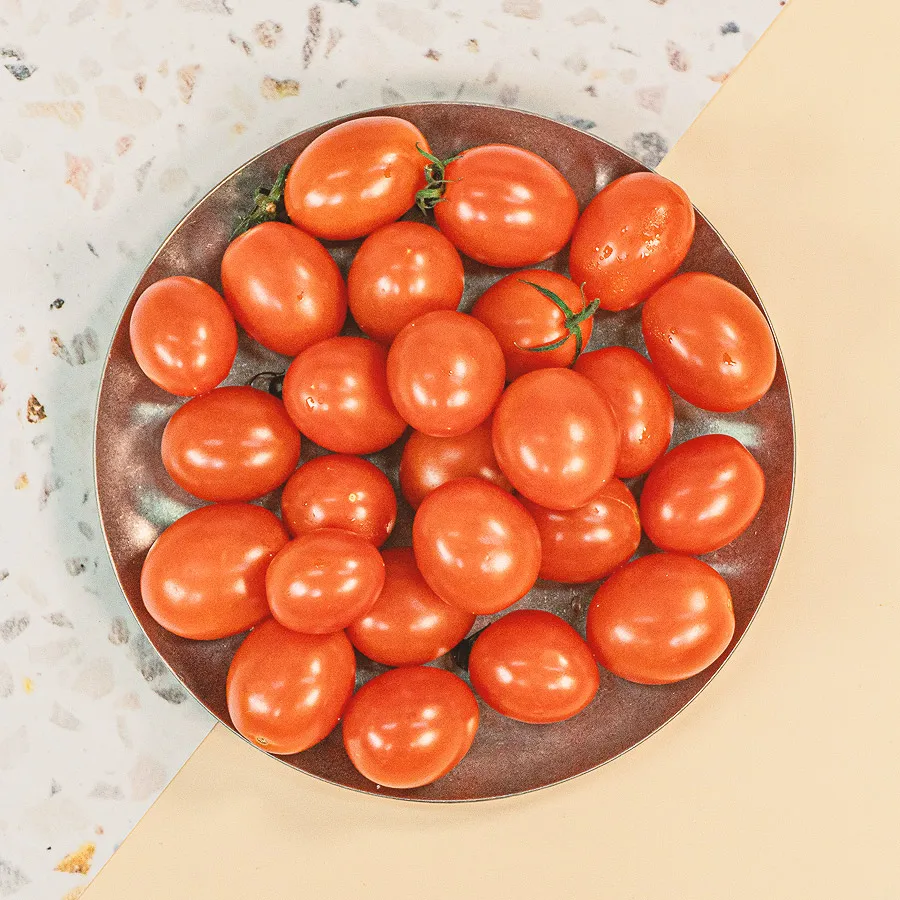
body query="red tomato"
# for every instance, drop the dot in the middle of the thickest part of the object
(356, 177)
(587, 543)
(661, 618)
(710, 342)
(324, 580)
(409, 623)
(401, 272)
(445, 373)
(235, 443)
(555, 437)
(476, 545)
(505, 206)
(283, 287)
(640, 401)
(630, 239)
(183, 336)
(702, 495)
(336, 392)
(205, 577)
(532, 666)
(286, 691)
(410, 726)
(338, 491)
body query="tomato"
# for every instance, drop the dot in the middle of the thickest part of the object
(555, 438)
(630, 239)
(702, 495)
(409, 623)
(640, 402)
(286, 691)
(661, 618)
(710, 342)
(356, 177)
(428, 462)
(336, 392)
(588, 542)
(532, 666)
(235, 443)
(505, 206)
(401, 272)
(183, 336)
(283, 287)
(476, 545)
(410, 726)
(324, 580)
(205, 577)
(445, 373)
(338, 491)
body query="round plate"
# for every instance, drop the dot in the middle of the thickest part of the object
(138, 500)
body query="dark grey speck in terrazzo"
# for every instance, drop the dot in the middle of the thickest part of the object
(647, 146)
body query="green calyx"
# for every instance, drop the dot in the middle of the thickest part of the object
(571, 322)
(435, 182)
(268, 205)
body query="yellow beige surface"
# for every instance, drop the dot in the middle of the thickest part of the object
(781, 780)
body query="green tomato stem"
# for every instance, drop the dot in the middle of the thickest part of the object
(268, 206)
(572, 321)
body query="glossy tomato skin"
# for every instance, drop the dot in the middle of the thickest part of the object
(505, 206)
(183, 336)
(205, 577)
(476, 545)
(702, 495)
(640, 402)
(532, 666)
(401, 272)
(409, 624)
(286, 691)
(410, 726)
(445, 372)
(323, 580)
(283, 287)
(662, 618)
(336, 392)
(587, 543)
(710, 342)
(631, 238)
(234, 443)
(356, 177)
(555, 438)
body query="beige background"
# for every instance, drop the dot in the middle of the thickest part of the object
(782, 780)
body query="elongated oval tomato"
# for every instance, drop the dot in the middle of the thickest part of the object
(205, 577)
(283, 287)
(234, 443)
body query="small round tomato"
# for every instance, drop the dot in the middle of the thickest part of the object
(428, 462)
(336, 392)
(356, 177)
(640, 401)
(532, 666)
(409, 624)
(445, 373)
(183, 336)
(234, 443)
(476, 545)
(410, 726)
(661, 618)
(538, 318)
(555, 438)
(286, 691)
(505, 206)
(324, 580)
(587, 543)
(710, 342)
(205, 577)
(401, 272)
(702, 495)
(630, 239)
(283, 287)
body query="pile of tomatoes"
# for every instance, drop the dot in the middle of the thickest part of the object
(514, 463)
